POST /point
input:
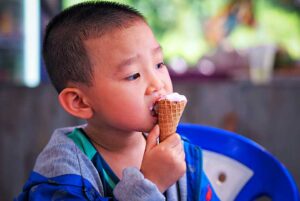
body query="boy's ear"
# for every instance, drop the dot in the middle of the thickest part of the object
(74, 102)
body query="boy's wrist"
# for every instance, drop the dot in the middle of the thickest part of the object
(134, 185)
(155, 181)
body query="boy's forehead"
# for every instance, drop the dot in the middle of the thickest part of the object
(125, 41)
(127, 61)
(116, 35)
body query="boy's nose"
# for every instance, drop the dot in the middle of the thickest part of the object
(155, 85)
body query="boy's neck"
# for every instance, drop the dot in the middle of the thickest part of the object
(119, 149)
(114, 140)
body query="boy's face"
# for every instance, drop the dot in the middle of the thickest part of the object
(129, 77)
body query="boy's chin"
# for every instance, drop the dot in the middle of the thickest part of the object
(151, 126)
(148, 127)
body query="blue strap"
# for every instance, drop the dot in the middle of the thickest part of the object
(198, 185)
(193, 157)
(207, 191)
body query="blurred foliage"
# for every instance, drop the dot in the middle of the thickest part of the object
(179, 25)
(276, 23)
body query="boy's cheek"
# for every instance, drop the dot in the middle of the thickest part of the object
(170, 87)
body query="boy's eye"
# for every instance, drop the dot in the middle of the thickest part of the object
(160, 65)
(133, 77)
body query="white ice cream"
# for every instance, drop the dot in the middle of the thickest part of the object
(174, 97)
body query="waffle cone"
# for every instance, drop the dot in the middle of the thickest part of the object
(169, 113)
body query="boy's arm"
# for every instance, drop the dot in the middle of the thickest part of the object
(66, 187)
(163, 164)
(47, 192)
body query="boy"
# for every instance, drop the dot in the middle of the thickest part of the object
(108, 69)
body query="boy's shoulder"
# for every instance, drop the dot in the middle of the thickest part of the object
(58, 156)
(61, 156)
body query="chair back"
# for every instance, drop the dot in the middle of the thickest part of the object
(238, 168)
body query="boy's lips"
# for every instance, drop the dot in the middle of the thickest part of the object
(153, 110)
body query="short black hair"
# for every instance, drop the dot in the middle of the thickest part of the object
(64, 53)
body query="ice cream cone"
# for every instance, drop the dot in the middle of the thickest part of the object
(169, 113)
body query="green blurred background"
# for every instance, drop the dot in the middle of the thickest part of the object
(182, 26)
(217, 32)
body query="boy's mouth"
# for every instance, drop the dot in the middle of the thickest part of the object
(153, 110)
(154, 107)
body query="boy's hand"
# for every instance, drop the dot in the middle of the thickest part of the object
(163, 163)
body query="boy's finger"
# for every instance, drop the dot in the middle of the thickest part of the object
(152, 138)
(172, 140)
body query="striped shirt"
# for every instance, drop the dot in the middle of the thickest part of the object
(108, 177)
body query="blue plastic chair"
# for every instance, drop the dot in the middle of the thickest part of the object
(265, 175)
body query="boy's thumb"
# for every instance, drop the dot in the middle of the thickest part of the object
(152, 138)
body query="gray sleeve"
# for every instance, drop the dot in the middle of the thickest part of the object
(135, 187)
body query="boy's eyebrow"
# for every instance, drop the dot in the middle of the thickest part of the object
(127, 62)
(131, 60)
(156, 50)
